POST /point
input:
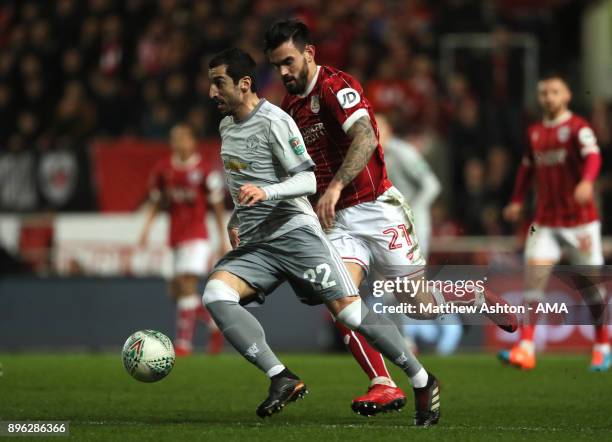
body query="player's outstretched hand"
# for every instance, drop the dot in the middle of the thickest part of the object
(233, 237)
(584, 192)
(512, 212)
(250, 194)
(326, 206)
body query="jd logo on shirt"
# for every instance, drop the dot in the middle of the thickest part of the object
(348, 98)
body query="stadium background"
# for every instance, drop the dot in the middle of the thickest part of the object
(89, 90)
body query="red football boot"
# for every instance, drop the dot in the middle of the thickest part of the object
(379, 399)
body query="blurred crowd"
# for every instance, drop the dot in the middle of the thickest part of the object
(71, 70)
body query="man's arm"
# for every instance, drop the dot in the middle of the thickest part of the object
(524, 175)
(301, 184)
(363, 144)
(153, 209)
(413, 165)
(589, 150)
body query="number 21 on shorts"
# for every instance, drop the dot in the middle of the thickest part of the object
(394, 244)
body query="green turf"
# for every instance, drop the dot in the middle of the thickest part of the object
(214, 399)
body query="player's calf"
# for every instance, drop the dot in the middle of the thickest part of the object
(244, 332)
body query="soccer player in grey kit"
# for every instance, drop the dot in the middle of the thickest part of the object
(279, 238)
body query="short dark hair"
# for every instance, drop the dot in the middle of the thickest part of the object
(287, 30)
(554, 75)
(239, 64)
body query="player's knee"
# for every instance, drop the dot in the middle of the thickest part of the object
(217, 290)
(352, 315)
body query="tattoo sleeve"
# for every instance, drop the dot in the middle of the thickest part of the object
(362, 146)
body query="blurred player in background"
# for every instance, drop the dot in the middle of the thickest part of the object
(373, 225)
(278, 238)
(562, 158)
(184, 185)
(413, 177)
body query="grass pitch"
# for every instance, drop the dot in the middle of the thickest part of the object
(214, 399)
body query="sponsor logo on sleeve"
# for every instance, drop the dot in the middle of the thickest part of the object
(348, 98)
(296, 145)
(586, 136)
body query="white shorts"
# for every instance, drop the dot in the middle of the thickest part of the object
(379, 234)
(583, 243)
(192, 257)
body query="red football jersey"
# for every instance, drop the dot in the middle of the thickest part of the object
(332, 102)
(556, 155)
(186, 187)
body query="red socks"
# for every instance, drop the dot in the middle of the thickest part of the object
(370, 360)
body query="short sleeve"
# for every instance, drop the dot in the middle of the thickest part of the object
(288, 146)
(343, 97)
(587, 142)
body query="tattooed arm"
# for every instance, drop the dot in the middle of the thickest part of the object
(363, 144)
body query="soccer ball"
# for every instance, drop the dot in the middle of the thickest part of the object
(148, 355)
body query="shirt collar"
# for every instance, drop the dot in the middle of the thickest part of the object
(190, 162)
(312, 84)
(563, 118)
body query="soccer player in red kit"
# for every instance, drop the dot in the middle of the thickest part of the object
(184, 186)
(365, 217)
(562, 160)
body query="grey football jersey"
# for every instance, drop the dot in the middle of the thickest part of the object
(265, 148)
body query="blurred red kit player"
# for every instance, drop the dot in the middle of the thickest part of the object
(184, 185)
(562, 161)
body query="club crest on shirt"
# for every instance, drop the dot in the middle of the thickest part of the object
(315, 106)
(563, 134)
(195, 177)
(252, 142)
(296, 145)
